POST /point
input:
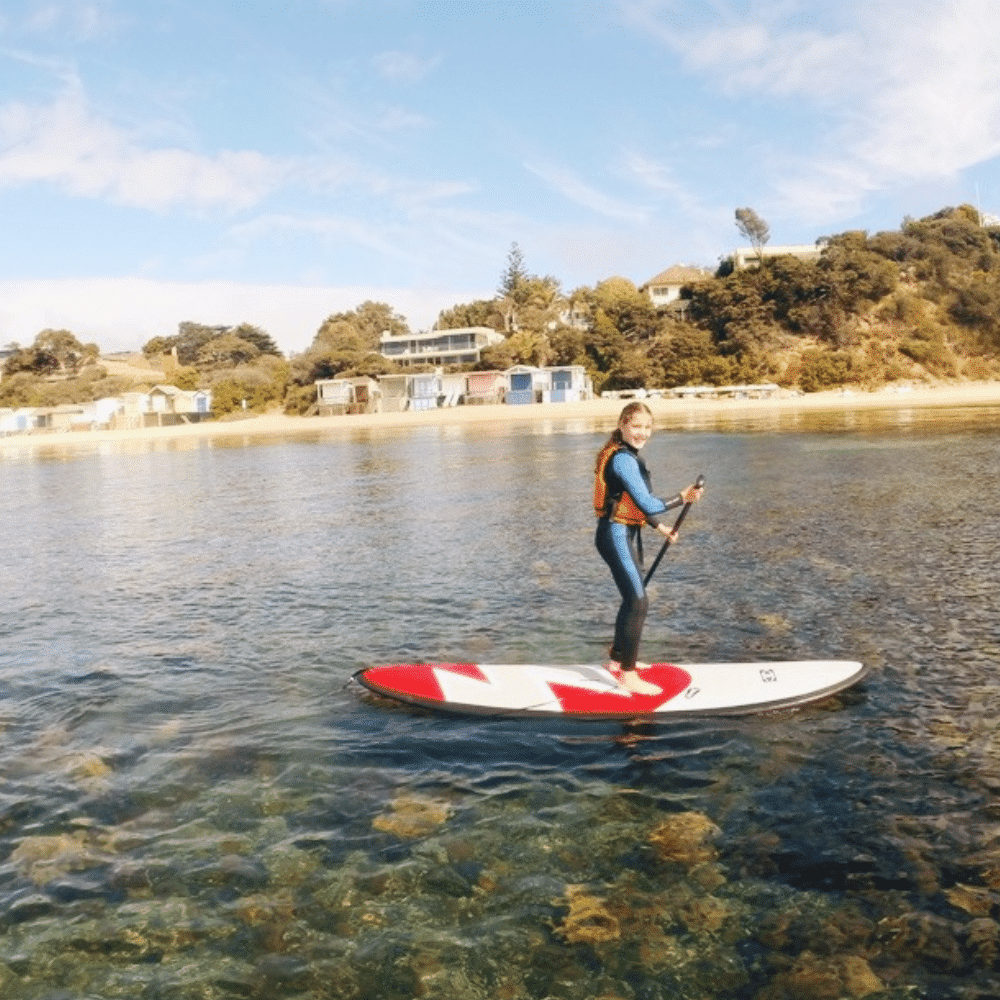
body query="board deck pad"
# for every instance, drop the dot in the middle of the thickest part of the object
(587, 691)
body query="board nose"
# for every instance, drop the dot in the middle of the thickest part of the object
(414, 679)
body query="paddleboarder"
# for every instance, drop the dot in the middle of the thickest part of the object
(624, 502)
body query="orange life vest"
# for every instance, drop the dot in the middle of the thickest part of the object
(620, 508)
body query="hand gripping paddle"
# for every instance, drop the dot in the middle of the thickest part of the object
(699, 483)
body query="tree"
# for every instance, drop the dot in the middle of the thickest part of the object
(631, 311)
(360, 329)
(514, 277)
(191, 338)
(63, 345)
(481, 312)
(53, 351)
(754, 229)
(32, 360)
(514, 290)
(682, 355)
(260, 339)
(227, 351)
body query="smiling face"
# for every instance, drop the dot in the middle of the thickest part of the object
(636, 428)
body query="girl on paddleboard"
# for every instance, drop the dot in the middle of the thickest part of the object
(623, 502)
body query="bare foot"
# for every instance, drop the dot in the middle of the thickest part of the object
(633, 683)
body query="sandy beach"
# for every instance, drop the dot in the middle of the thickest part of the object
(668, 410)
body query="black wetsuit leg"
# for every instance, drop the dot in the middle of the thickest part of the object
(616, 544)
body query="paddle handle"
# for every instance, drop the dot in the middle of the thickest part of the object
(699, 483)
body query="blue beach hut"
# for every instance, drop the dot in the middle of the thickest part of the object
(526, 385)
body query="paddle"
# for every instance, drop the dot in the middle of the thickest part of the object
(699, 482)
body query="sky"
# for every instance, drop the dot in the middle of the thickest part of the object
(273, 163)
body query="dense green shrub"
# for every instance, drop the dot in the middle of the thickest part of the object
(977, 304)
(823, 369)
(933, 355)
(299, 399)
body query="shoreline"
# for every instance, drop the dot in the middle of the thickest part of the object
(892, 398)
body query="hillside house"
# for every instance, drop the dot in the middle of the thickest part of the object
(750, 257)
(462, 346)
(666, 287)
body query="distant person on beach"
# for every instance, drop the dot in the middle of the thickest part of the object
(623, 502)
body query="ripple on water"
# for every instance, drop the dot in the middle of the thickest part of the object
(193, 801)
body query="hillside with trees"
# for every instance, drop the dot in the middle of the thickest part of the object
(921, 303)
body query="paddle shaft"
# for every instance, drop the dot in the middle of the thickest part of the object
(699, 483)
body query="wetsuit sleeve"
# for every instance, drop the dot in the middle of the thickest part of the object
(626, 468)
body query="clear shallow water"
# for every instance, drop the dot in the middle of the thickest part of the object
(195, 801)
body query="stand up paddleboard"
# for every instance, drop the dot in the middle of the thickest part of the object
(593, 692)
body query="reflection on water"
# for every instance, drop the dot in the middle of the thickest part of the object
(195, 801)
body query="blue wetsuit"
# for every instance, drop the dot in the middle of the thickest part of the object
(626, 472)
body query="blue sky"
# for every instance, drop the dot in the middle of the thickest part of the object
(275, 162)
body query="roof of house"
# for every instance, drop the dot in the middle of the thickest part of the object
(679, 274)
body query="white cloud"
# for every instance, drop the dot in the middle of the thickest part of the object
(64, 143)
(403, 66)
(900, 92)
(83, 20)
(661, 181)
(123, 313)
(938, 109)
(761, 55)
(44, 18)
(397, 119)
(573, 188)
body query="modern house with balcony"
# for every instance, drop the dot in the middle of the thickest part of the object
(462, 346)
(751, 257)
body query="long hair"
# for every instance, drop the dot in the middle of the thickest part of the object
(624, 417)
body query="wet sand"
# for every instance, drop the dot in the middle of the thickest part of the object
(947, 395)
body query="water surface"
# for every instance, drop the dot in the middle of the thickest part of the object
(195, 801)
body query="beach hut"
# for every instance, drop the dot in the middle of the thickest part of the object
(333, 396)
(359, 394)
(202, 400)
(162, 397)
(410, 392)
(485, 387)
(168, 405)
(454, 387)
(425, 391)
(569, 384)
(367, 395)
(527, 385)
(106, 410)
(18, 421)
(395, 392)
(132, 412)
(60, 418)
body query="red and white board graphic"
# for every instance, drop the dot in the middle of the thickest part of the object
(593, 692)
